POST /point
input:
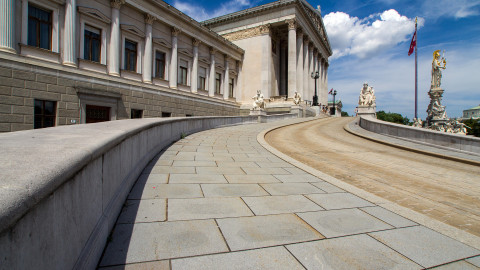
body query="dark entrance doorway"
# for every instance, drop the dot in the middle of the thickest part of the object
(95, 114)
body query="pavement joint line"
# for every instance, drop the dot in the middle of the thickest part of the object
(403, 147)
(435, 225)
(408, 258)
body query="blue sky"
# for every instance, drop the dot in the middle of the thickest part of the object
(370, 40)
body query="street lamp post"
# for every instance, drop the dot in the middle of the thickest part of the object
(315, 76)
(334, 94)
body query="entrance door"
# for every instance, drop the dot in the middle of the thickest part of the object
(96, 114)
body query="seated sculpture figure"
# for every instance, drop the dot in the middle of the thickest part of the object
(297, 98)
(258, 102)
(367, 96)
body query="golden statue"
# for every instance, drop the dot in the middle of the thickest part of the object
(437, 69)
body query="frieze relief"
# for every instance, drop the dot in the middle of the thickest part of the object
(316, 21)
(248, 33)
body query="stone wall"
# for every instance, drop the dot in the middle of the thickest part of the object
(22, 80)
(422, 135)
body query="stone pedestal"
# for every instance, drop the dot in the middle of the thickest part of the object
(436, 113)
(297, 110)
(367, 111)
(257, 112)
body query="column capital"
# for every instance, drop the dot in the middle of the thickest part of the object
(299, 33)
(292, 23)
(175, 31)
(306, 40)
(196, 42)
(149, 18)
(213, 50)
(226, 57)
(116, 3)
(264, 29)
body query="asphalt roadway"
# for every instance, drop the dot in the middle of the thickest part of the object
(445, 190)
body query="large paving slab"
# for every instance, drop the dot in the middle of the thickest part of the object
(232, 190)
(268, 205)
(264, 231)
(424, 246)
(267, 258)
(352, 252)
(143, 242)
(343, 222)
(204, 208)
(291, 188)
(338, 200)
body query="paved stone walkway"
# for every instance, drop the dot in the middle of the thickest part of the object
(219, 200)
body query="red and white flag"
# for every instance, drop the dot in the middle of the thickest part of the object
(330, 91)
(413, 44)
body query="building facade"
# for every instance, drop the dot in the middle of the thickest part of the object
(284, 42)
(472, 113)
(81, 61)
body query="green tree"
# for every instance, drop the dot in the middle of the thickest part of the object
(473, 127)
(393, 117)
(345, 114)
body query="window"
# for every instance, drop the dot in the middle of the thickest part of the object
(136, 113)
(230, 87)
(92, 44)
(160, 65)
(45, 112)
(39, 27)
(182, 72)
(202, 75)
(218, 82)
(166, 114)
(95, 114)
(130, 55)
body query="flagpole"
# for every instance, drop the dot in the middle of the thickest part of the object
(416, 92)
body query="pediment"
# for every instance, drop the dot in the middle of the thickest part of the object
(132, 29)
(219, 67)
(204, 60)
(93, 13)
(315, 19)
(163, 42)
(185, 51)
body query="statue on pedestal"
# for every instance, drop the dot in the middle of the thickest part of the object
(258, 101)
(297, 98)
(367, 104)
(436, 112)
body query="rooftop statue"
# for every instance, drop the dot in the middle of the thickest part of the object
(437, 69)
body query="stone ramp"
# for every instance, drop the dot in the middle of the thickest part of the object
(219, 200)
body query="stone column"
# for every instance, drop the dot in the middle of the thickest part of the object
(211, 77)
(114, 48)
(24, 38)
(306, 75)
(299, 69)
(148, 55)
(310, 69)
(325, 82)
(321, 91)
(226, 84)
(69, 58)
(194, 78)
(238, 91)
(7, 26)
(292, 57)
(266, 60)
(173, 59)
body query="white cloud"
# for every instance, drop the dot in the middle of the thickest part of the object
(447, 8)
(199, 13)
(369, 36)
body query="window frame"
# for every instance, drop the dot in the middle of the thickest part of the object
(99, 39)
(51, 6)
(205, 83)
(100, 21)
(231, 87)
(218, 83)
(126, 64)
(39, 24)
(133, 112)
(155, 60)
(184, 70)
(128, 35)
(43, 115)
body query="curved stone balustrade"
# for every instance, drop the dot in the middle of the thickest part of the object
(61, 189)
(459, 142)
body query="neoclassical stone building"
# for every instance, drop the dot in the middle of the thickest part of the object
(284, 42)
(82, 61)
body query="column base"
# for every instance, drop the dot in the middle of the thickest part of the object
(70, 64)
(8, 50)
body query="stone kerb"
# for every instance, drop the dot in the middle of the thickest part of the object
(455, 141)
(62, 188)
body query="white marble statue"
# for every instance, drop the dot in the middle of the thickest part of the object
(367, 96)
(417, 122)
(258, 102)
(297, 98)
(437, 69)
